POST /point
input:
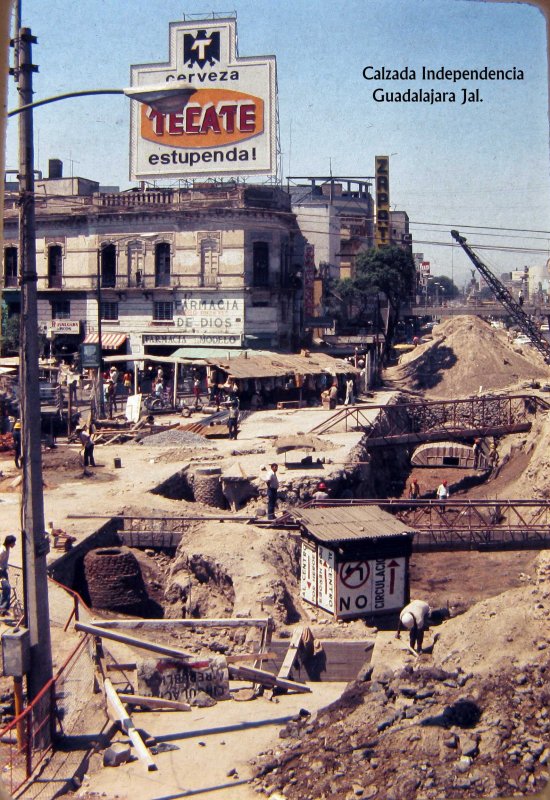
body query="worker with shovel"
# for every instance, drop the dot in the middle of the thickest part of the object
(414, 617)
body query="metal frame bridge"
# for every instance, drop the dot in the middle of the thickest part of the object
(434, 420)
(457, 524)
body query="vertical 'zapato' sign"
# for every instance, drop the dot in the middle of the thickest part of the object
(382, 173)
(224, 120)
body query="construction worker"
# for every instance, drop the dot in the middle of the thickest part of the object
(414, 490)
(414, 617)
(321, 493)
(16, 433)
(442, 494)
(476, 449)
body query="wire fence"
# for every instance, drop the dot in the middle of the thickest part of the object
(61, 707)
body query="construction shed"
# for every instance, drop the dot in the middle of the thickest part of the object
(354, 559)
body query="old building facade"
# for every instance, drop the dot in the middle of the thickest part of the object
(212, 265)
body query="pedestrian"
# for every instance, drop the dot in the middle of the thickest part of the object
(16, 433)
(5, 596)
(333, 395)
(272, 483)
(197, 391)
(415, 618)
(442, 493)
(350, 400)
(520, 297)
(476, 450)
(127, 382)
(110, 397)
(233, 418)
(321, 493)
(414, 489)
(73, 385)
(87, 442)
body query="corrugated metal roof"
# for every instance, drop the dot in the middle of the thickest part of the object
(346, 523)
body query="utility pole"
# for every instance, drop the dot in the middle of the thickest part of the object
(35, 543)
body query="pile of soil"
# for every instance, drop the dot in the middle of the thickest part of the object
(464, 354)
(422, 733)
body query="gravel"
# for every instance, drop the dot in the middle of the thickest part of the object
(175, 438)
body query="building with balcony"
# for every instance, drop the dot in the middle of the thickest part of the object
(212, 265)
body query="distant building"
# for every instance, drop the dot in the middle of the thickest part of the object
(336, 216)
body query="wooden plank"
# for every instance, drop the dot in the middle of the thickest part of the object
(291, 654)
(170, 652)
(153, 702)
(121, 667)
(261, 656)
(223, 622)
(120, 714)
(265, 678)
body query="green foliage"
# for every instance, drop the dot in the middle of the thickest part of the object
(387, 269)
(9, 338)
(445, 289)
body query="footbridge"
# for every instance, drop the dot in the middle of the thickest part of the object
(469, 524)
(424, 421)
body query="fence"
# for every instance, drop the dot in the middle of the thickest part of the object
(27, 742)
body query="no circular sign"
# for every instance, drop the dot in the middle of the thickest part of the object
(354, 574)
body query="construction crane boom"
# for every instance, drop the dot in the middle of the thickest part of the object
(524, 322)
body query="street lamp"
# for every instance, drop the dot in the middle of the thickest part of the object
(35, 544)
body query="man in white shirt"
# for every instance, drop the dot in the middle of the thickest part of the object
(414, 617)
(5, 598)
(272, 483)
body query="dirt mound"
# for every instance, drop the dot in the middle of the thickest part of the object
(506, 630)
(465, 354)
(424, 733)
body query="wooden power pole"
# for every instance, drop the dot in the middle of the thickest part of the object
(35, 543)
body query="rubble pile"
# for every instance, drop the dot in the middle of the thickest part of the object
(421, 733)
(465, 355)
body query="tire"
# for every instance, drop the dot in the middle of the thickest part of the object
(156, 405)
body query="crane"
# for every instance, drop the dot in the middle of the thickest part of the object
(524, 322)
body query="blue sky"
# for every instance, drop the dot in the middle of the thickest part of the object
(452, 165)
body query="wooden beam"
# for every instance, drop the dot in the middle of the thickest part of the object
(136, 624)
(265, 678)
(120, 713)
(291, 653)
(170, 652)
(153, 702)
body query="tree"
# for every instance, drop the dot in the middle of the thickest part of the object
(390, 270)
(10, 331)
(443, 287)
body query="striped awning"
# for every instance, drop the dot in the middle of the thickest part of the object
(109, 341)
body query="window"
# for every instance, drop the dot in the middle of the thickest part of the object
(55, 264)
(209, 262)
(135, 264)
(163, 311)
(109, 311)
(162, 264)
(260, 264)
(10, 266)
(61, 309)
(108, 266)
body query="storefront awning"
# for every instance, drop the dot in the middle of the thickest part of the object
(109, 341)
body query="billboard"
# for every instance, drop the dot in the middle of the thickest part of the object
(382, 178)
(222, 122)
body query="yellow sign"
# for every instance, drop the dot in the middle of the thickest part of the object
(382, 177)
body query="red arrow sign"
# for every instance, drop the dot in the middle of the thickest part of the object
(392, 565)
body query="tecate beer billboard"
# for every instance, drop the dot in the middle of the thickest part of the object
(222, 123)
